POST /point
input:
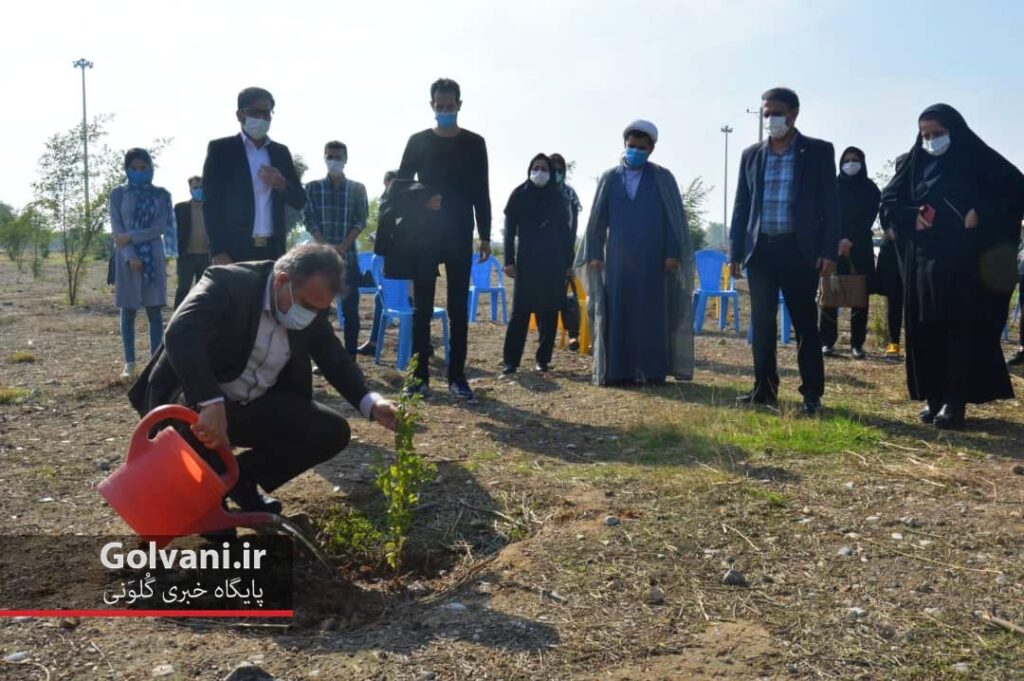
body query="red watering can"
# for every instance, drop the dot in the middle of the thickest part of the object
(165, 490)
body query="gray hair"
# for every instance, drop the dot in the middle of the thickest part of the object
(308, 260)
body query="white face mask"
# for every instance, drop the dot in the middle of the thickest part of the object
(851, 168)
(256, 128)
(936, 146)
(335, 167)
(540, 177)
(776, 126)
(297, 317)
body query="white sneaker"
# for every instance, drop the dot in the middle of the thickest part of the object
(129, 370)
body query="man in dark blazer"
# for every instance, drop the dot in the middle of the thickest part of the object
(785, 232)
(247, 181)
(239, 350)
(193, 242)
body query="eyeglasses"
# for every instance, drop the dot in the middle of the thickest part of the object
(258, 113)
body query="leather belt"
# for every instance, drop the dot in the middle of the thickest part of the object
(260, 241)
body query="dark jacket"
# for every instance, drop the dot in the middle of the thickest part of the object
(229, 206)
(815, 201)
(211, 335)
(183, 219)
(408, 233)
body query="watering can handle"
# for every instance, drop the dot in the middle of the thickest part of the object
(177, 412)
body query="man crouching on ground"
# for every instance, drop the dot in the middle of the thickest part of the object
(238, 350)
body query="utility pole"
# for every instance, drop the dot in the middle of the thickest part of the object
(725, 188)
(760, 124)
(85, 64)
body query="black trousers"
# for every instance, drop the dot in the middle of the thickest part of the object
(348, 309)
(518, 328)
(458, 262)
(287, 434)
(829, 326)
(571, 311)
(190, 268)
(777, 265)
(894, 314)
(1021, 320)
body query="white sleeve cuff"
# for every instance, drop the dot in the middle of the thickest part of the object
(215, 400)
(367, 403)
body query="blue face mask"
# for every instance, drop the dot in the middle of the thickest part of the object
(297, 317)
(446, 120)
(197, 194)
(139, 177)
(635, 158)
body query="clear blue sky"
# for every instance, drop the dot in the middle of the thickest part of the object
(536, 76)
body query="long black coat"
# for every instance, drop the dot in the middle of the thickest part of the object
(954, 276)
(858, 206)
(539, 242)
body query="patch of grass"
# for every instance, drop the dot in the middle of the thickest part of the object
(351, 534)
(774, 499)
(46, 471)
(829, 434)
(12, 395)
(487, 455)
(22, 357)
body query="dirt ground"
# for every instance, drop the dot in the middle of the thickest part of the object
(573, 532)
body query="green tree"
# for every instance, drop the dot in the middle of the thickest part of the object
(695, 196)
(365, 241)
(60, 192)
(294, 221)
(15, 235)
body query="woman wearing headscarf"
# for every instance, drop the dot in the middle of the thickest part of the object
(858, 203)
(140, 213)
(956, 204)
(538, 252)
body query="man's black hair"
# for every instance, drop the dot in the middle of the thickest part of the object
(335, 144)
(390, 175)
(193, 179)
(251, 95)
(445, 85)
(782, 94)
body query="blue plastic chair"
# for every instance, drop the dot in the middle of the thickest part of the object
(480, 283)
(709, 277)
(366, 261)
(786, 323)
(395, 297)
(1016, 316)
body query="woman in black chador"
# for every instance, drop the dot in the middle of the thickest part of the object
(858, 204)
(956, 206)
(538, 253)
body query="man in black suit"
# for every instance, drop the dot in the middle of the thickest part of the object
(785, 231)
(193, 243)
(247, 180)
(239, 350)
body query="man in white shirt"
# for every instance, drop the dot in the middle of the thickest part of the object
(239, 349)
(248, 179)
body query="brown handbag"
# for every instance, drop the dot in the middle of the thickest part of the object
(844, 290)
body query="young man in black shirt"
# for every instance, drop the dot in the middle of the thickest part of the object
(452, 161)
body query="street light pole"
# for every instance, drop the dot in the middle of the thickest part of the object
(725, 188)
(85, 64)
(760, 124)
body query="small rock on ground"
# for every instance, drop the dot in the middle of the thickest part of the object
(19, 656)
(734, 578)
(247, 671)
(856, 613)
(846, 551)
(962, 668)
(611, 521)
(1018, 469)
(655, 596)
(163, 670)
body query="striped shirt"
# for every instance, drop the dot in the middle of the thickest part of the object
(776, 205)
(336, 212)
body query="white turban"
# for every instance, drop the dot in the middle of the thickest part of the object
(643, 126)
